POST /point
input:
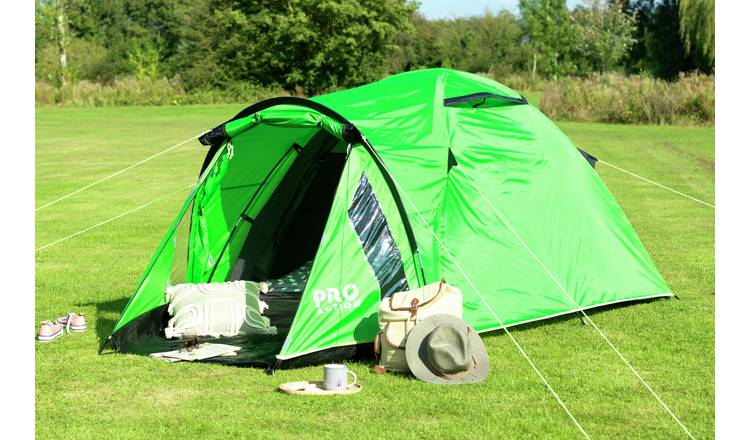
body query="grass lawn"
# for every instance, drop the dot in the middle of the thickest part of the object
(80, 394)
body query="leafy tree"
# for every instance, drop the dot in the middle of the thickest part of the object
(304, 45)
(310, 46)
(697, 27)
(85, 60)
(665, 49)
(44, 24)
(51, 25)
(550, 34)
(418, 46)
(659, 48)
(603, 33)
(130, 30)
(481, 44)
(487, 43)
(144, 60)
(637, 59)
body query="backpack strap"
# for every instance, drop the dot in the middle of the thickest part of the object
(414, 304)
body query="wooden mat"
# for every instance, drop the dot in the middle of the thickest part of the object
(305, 388)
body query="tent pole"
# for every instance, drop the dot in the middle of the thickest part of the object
(392, 186)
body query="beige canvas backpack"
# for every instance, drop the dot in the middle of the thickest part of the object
(400, 312)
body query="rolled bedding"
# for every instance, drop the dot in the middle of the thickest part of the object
(217, 309)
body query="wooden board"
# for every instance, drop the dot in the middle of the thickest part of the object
(305, 388)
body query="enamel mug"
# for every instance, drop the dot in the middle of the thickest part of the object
(335, 377)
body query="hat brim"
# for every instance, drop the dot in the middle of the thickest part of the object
(416, 353)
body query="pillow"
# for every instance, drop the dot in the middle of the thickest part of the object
(216, 309)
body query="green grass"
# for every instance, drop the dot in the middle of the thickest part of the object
(80, 394)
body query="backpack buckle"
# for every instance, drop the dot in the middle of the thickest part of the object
(413, 307)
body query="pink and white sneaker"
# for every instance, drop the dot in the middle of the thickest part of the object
(73, 321)
(49, 331)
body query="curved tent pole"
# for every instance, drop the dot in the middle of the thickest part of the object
(350, 133)
(399, 204)
(217, 135)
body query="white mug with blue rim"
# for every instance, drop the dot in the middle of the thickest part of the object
(335, 377)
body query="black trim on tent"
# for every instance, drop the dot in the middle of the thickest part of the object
(218, 134)
(290, 100)
(484, 96)
(399, 203)
(371, 226)
(589, 158)
(452, 162)
(216, 138)
(209, 156)
(350, 133)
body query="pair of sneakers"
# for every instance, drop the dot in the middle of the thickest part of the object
(49, 331)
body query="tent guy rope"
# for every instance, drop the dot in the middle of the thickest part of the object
(579, 308)
(113, 218)
(656, 183)
(492, 311)
(104, 179)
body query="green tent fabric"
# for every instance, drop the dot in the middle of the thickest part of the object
(422, 176)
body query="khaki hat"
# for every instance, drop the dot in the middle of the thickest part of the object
(444, 349)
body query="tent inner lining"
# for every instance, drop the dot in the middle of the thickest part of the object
(287, 230)
(283, 236)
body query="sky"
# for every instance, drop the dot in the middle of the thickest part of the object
(463, 8)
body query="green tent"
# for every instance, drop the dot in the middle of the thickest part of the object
(426, 175)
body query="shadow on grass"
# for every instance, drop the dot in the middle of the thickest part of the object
(107, 313)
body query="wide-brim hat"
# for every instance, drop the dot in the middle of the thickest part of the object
(444, 349)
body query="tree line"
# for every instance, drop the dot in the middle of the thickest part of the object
(311, 46)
